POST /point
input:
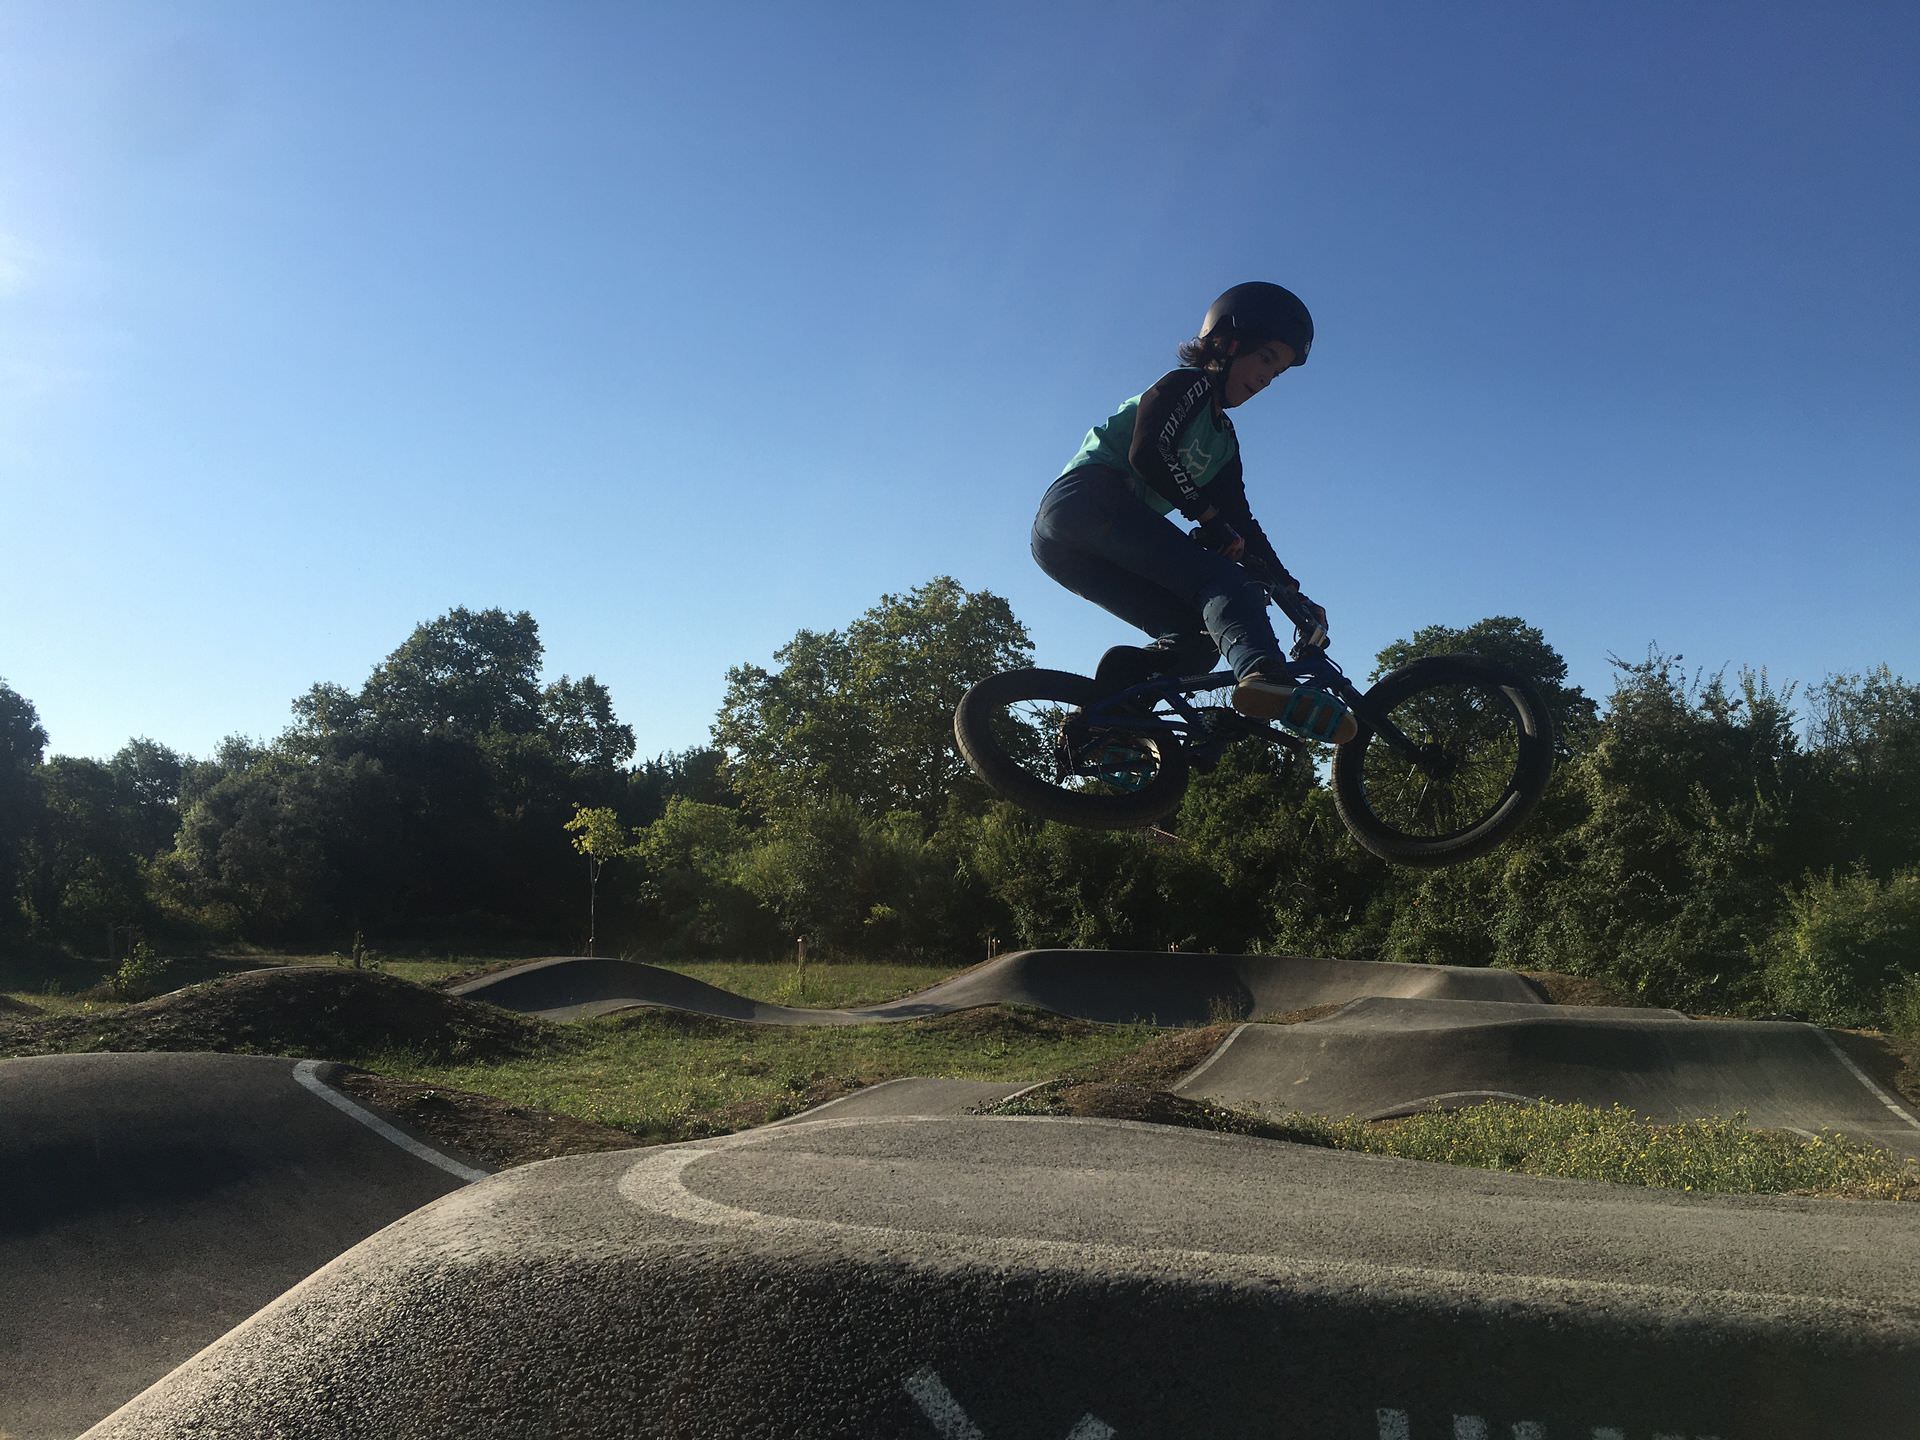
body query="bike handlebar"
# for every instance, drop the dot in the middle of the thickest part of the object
(1310, 633)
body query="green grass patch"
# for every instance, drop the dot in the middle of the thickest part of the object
(1719, 1156)
(45, 1002)
(665, 1075)
(1715, 1156)
(821, 985)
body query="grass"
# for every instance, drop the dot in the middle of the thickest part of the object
(829, 985)
(1715, 1156)
(663, 1075)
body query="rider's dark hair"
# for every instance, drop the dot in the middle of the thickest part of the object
(1205, 352)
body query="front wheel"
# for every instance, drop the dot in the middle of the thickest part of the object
(1024, 733)
(1454, 752)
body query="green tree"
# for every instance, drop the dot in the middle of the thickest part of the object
(23, 741)
(854, 883)
(147, 778)
(468, 673)
(695, 773)
(483, 763)
(286, 845)
(1847, 949)
(1512, 641)
(1863, 736)
(1676, 845)
(80, 872)
(867, 714)
(694, 900)
(1060, 885)
(600, 837)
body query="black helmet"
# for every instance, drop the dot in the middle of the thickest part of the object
(1256, 313)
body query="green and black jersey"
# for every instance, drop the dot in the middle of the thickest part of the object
(1172, 443)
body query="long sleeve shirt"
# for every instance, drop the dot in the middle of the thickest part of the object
(1173, 443)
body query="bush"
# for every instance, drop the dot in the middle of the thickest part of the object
(140, 975)
(1902, 1009)
(1848, 950)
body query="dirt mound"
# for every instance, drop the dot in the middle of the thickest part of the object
(11, 1006)
(315, 1012)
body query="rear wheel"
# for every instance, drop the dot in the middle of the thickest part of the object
(1024, 733)
(1482, 754)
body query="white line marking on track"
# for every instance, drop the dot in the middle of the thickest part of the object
(1861, 1075)
(936, 1402)
(307, 1073)
(1091, 1429)
(1207, 1064)
(1393, 1424)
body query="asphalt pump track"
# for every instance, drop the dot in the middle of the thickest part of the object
(886, 1266)
(151, 1202)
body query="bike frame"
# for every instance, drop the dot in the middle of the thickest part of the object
(1311, 666)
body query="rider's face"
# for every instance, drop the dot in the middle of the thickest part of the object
(1252, 371)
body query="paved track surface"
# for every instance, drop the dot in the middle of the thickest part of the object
(1381, 1057)
(1002, 1277)
(148, 1203)
(1111, 986)
(913, 1096)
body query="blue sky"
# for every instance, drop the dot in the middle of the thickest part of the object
(684, 327)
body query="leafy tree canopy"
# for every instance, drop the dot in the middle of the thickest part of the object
(23, 740)
(868, 714)
(1511, 641)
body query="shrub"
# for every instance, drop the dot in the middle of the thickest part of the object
(1848, 950)
(140, 974)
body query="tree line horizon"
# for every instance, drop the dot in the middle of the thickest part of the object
(1701, 845)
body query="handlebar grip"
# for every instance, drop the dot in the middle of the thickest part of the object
(1292, 604)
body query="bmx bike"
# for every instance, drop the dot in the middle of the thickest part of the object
(1451, 755)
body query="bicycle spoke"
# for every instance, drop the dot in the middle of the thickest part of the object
(1467, 739)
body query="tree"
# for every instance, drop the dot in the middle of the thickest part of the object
(23, 741)
(467, 673)
(691, 857)
(78, 866)
(598, 835)
(287, 845)
(867, 714)
(579, 718)
(854, 883)
(1673, 851)
(483, 762)
(696, 773)
(1511, 641)
(147, 777)
(1863, 736)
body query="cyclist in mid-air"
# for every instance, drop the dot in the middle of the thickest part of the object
(1103, 530)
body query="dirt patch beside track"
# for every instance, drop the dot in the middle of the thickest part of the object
(496, 1133)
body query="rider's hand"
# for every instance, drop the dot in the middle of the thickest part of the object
(1217, 535)
(1302, 609)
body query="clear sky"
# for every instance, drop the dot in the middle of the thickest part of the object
(684, 326)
